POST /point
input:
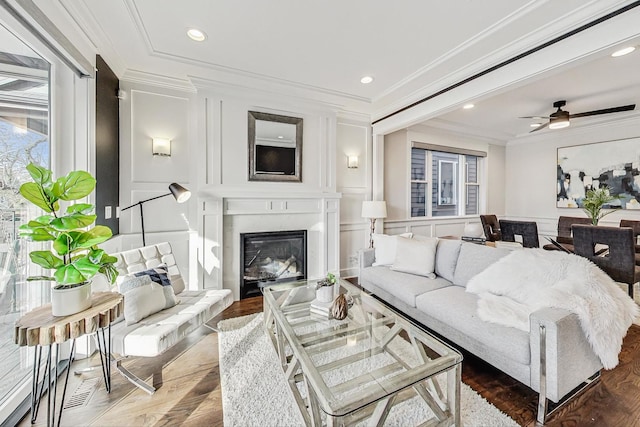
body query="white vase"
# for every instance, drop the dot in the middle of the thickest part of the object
(65, 302)
(325, 293)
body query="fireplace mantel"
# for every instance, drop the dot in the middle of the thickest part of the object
(225, 213)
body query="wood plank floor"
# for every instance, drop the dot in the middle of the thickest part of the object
(190, 394)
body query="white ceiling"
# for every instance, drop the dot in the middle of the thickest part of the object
(321, 49)
(601, 82)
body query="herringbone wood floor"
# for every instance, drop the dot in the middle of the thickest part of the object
(190, 394)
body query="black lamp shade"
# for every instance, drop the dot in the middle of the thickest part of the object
(180, 193)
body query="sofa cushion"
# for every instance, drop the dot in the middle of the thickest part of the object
(385, 247)
(143, 301)
(458, 309)
(144, 278)
(403, 286)
(416, 256)
(473, 259)
(447, 257)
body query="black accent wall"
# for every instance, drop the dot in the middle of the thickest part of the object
(107, 144)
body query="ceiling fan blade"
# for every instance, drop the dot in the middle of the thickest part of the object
(540, 127)
(604, 111)
(535, 117)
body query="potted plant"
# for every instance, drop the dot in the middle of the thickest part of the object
(324, 288)
(75, 257)
(594, 202)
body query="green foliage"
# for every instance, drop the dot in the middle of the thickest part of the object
(75, 257)
(593, 204)
(327, 281)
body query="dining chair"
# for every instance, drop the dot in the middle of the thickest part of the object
(635, 225)
(491, 228)
(527, 229)
(618, 261)
(565, 237)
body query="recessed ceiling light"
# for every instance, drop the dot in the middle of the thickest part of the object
(468, 106)
(624, 51)
(535, 125)
(366, 80)
(196, 35)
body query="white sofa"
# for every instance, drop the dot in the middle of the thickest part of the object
(157, 333)
(554, 358)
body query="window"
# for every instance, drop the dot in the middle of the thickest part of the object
(444, 183)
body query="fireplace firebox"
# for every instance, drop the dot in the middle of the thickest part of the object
(271, 257)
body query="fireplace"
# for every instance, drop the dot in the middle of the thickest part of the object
(271, 257)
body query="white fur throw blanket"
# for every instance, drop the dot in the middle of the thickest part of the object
(529, 279)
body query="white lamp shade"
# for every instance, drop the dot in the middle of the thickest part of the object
(374, 209)
(161, 147)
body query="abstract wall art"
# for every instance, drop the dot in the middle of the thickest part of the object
(611, 164)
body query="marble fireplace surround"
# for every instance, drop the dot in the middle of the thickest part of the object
(226, 214)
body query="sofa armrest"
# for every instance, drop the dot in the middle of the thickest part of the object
(366, 257)
(569, 358)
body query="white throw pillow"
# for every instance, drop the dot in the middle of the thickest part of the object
(385, 248)
(143, 301)
(416, 256)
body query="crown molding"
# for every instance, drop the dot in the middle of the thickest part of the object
(273, 93)
(167, 82)
(552, 29)
(94, 33)
(232, 74)
(527, 8)
(486, 135)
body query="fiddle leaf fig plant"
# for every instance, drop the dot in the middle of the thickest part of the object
(75, 257)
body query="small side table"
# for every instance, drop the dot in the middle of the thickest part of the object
(40, 328)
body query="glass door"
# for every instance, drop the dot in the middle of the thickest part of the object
(24, 138)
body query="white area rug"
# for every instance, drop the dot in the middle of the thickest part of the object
(255, 392)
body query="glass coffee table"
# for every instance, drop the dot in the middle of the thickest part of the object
(359, 367)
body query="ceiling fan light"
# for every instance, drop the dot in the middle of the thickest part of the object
(559, 122)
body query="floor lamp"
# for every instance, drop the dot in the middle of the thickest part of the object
(373, 210)
(180, 193)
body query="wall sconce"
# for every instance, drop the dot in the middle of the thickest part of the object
(161, 147)
(352, 162)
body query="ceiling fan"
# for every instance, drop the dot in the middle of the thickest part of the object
(560, 118)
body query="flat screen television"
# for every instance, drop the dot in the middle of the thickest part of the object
(275, 160)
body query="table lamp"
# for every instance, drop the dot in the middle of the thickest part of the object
(373, 210)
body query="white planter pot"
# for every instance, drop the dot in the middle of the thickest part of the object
(65, 302)
(325, 293)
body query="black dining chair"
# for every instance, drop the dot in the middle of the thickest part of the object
(618, 261)
(491, 228)
(635, 225)
(565, 237)
(527, 229)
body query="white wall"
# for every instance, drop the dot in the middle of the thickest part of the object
(352, 138)
(148, 111)
(531, 171)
